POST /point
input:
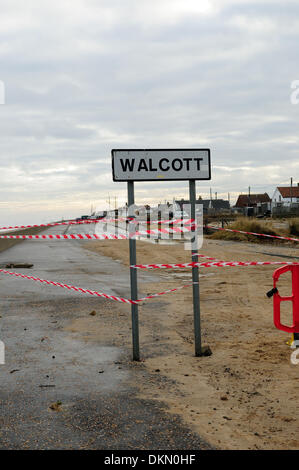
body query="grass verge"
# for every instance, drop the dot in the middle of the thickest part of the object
(246, 224)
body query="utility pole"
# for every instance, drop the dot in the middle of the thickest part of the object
(108, 201)
(291, 192)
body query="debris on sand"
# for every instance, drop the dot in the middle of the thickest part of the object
(56, 406)
(206, 351)
(19, 265)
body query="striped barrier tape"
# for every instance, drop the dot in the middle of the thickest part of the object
(94, 221)
(71, 222)
(52, 224)
(253, 233)
(175, 222)
(166, 222)
(131, 220)
(88, 291)
(74, 236)
(134, 220)
(175, 265)
(152, 296)
(214, 264)
(101, 236)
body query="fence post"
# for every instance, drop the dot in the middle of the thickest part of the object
(171, 226)
(116, 221)
(159, 225)
(148, 221)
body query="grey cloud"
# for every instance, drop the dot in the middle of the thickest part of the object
(83, 78)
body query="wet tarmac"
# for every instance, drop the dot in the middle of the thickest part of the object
(96, 404)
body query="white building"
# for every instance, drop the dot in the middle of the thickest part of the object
(285, 196)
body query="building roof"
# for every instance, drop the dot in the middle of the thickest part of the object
(288, 191)
(244, 200)
(216, 204)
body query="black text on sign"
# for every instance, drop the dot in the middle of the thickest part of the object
(164, 164)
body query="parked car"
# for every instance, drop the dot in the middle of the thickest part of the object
(264, 215)
(100, 215)
(180, 215)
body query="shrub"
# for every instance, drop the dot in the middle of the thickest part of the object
(246, 224)
(294, 226)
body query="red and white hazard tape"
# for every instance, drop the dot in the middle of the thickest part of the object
(88, 291)
(101, 236)
(175, 265)
(152, 296)
(253, 233)
(138, 221)
(74, 236)
(52, 224)
(213, 264)
(166, 222)
(94, 221)
(164, 230)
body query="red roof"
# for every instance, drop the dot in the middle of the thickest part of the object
(244, 200)
(287, 191)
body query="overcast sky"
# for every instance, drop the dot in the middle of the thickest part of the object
(85, 76)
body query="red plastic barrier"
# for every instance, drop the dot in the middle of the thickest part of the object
(294, 299)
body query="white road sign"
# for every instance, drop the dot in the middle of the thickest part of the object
(159, 164)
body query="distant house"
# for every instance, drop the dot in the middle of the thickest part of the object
(184, 204)
(258, 203)
(209, 205)
(215, 205)
(285, 196)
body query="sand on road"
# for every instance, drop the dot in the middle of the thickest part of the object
(244, 396)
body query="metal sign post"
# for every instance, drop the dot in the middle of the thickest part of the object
(133, 274)
(195, 277)
(162, 165)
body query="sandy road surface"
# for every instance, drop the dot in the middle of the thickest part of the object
(244, 396)
(58, 354)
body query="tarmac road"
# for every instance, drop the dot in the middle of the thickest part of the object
(45, 364)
